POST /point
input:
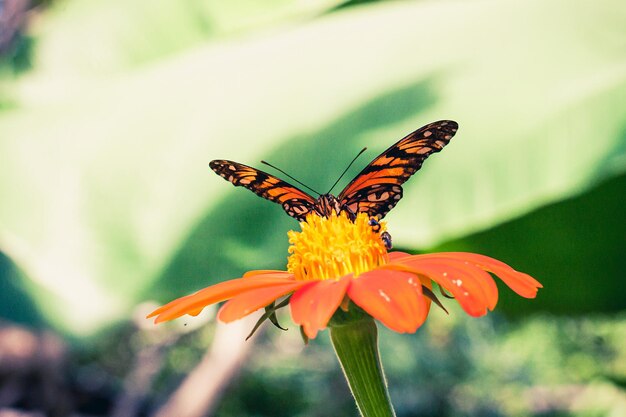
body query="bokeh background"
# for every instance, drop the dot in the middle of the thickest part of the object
(111, 110)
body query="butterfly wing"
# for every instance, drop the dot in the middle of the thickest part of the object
(377, 189)
(294, 201)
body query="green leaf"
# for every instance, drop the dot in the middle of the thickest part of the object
(87, 39)
(574, 248)
(106, 191)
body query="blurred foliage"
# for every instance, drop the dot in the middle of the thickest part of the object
(15, 303)
(104, 37)
(351, 3)
(16, 59)
(454, 366)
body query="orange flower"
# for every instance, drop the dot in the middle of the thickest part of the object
(335, 260)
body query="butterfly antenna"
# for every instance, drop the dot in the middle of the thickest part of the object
(299, 182)
(346, 170)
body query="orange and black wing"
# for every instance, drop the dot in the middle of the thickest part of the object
(377, 189)
(295, 202)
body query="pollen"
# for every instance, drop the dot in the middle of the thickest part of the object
(332, 247)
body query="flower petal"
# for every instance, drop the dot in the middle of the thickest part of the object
(194, 303)
(392, 297)
(395, 255)
(315, 303)
(523, 284)
(465, 287)
(472, 287)
(250, 301)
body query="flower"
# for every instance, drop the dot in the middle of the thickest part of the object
(334, 261)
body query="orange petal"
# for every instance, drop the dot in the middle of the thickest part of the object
(194, 303)
(315, 303)
(472, 287)
(466, 289)
(250, 301)
(469, 276)
(392, 297)
(394, 256)
(523, 284)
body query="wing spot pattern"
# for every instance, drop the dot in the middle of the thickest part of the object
(374, 191)
(375, 197)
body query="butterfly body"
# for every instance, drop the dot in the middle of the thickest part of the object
(327, 204)
(374, 191)
(324, 205)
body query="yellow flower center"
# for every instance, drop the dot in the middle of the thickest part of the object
(329, 248)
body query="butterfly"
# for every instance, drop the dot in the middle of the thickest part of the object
(374, 191)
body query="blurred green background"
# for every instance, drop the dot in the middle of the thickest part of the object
(111, 110)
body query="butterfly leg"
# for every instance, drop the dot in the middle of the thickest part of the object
(375, 225)
(385, 236)
(351, 214)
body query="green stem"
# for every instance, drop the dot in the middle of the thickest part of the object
(356, 346)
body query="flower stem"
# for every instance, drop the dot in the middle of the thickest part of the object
(356, 346)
